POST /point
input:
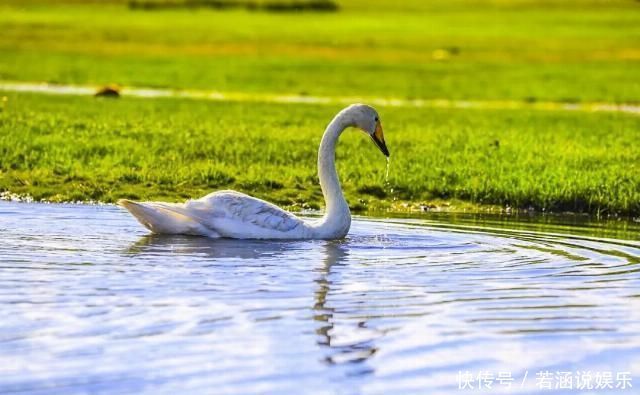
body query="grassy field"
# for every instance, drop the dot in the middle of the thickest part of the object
(76, 148)
(566, 50)
(80, 148)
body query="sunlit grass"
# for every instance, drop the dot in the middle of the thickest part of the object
(64, 148)
(73, 148)
(568, 51)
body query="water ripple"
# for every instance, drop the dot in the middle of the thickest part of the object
(91, 303)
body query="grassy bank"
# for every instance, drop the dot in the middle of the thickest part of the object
(72, 148)
(80, 148)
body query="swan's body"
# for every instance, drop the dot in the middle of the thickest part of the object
(236, 215)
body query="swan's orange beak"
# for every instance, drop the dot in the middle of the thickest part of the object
(378, 138)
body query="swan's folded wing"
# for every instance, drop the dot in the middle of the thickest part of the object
(166, 218)
(230, 213)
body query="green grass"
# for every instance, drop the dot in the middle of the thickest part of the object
(77, 148)
(71, 148)
(545, 50)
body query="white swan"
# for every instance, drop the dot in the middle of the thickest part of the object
(236, 215)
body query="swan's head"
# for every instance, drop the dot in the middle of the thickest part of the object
(366, 118)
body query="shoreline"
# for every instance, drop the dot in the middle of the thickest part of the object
(400, 210)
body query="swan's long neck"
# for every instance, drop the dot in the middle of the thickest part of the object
(337, 218)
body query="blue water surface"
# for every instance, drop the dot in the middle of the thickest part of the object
(90, 303)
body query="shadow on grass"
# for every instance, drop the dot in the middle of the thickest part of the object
(252, 5)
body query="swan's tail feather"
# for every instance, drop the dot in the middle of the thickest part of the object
(166, 218)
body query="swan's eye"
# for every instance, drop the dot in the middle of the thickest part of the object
(376, 119)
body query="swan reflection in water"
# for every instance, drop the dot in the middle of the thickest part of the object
(211, 248)
(333, 254)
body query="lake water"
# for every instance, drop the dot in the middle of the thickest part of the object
(90, 303)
